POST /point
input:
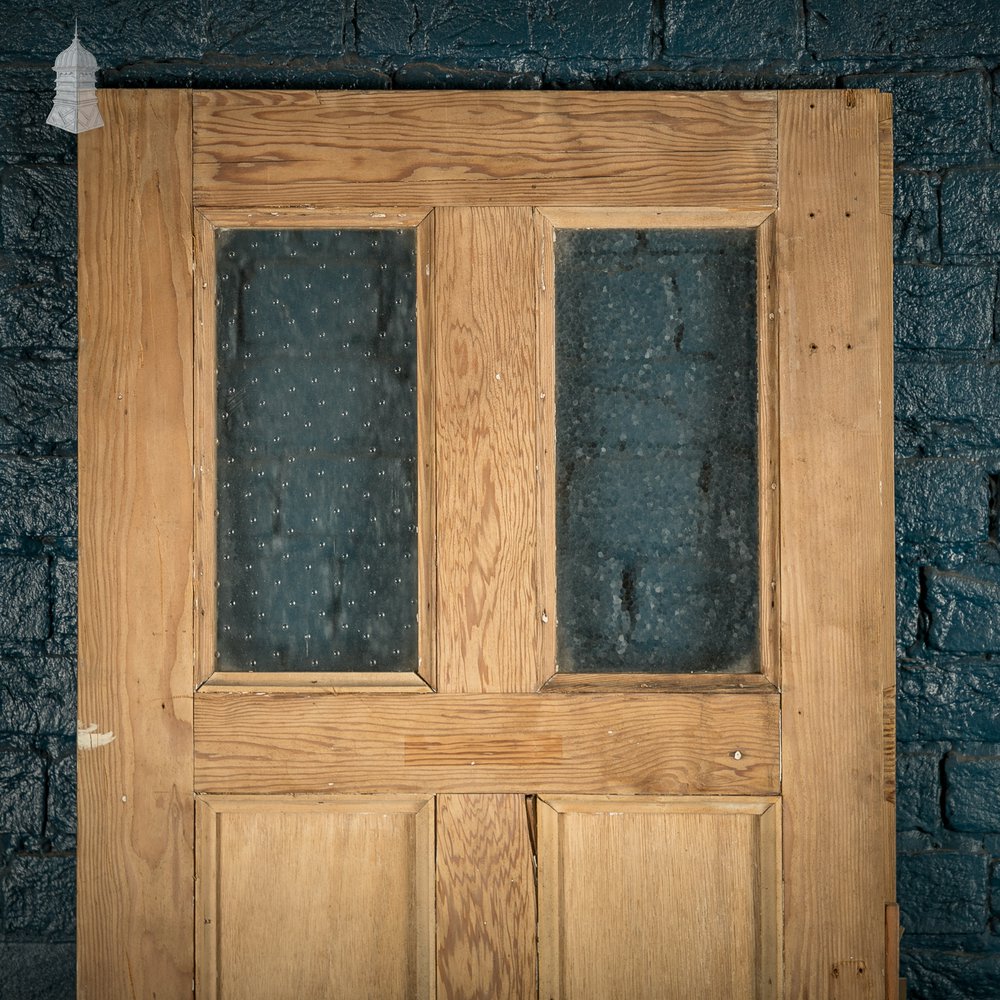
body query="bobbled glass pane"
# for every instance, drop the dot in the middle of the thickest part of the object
(656, 442)
(317, 450)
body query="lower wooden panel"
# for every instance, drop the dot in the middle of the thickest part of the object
(306, 898)
(659, 899)
(652, 743)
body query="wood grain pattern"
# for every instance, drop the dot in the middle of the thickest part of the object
(332, 682)
(261, 217)
(895, 988)
(545, 447)
(454, 148)
(486, 898)
(136, 646)
(887, 659)
(573, 683)
(836, 542)
(484, 277)
(653, 218)
(232, 125)
(617, 743)
(313, 897)
(662, 899)
(205, 448)
(426, 459)
(768, 455)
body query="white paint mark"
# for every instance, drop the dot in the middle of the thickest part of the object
(88, 738)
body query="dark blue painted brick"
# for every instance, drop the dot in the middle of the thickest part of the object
(22, 795)
(972, 802)
(937, 118)
(37, 305)
(64, 575)
(585, 31)
(23, 109)
(37, 971)
(943, 892)
(915, 216)
(959, 701)
(37, 497)
(918, 789)
(262, 27)
(38, 209)
(388, 28)
(38, 696)
(950, 975)
(39, 897)
(753, 31)
(941, 499)
(907, 610)
(472, 33)
(114, 30)
(946, 308)
(837, 28)
(38, 405)
(60, 820)
(970, 211)
(963, 610)
(24, 611)
(946, 405)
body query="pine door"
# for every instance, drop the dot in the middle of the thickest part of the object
(486, 578)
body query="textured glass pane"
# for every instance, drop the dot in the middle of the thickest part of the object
(317, 444)
(656, 430)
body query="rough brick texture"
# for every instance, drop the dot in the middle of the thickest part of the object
(971, 784)
(940, 59)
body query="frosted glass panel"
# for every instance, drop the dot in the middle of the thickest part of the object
(317, 445)
(656, 432)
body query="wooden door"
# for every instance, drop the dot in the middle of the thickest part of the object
(486, 825)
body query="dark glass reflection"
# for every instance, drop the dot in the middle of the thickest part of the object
(656, 427)
(317, 445)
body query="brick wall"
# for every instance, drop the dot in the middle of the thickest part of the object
(941, 60)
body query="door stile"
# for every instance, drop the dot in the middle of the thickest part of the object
(836, 487)
(135, 855)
